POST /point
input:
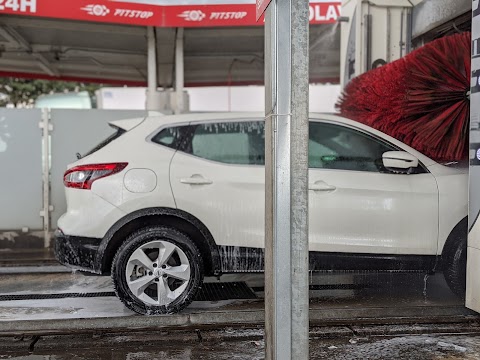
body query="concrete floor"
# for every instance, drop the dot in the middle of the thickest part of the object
(422, 347)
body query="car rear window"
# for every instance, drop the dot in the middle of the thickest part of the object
(119, 132)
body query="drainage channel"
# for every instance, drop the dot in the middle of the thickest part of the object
(208, 292)
(237, 290)
(328, 287)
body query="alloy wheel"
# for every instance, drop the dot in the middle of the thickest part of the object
(158, 272)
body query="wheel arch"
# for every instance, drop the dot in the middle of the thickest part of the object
(178, 219)
(453, 238)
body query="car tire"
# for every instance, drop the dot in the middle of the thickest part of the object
(455, 260)
(157, 270)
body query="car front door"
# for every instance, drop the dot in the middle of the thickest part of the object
(358, 206)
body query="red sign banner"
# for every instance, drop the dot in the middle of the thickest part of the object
(162, 13)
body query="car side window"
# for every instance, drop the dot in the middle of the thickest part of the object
(338, 147)
(171, 137)
(229, 142)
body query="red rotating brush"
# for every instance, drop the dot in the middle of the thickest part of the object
(421, 99)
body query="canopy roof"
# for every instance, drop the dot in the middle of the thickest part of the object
(109, 53)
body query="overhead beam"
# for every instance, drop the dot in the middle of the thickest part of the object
(258, 56)
(45, 65)
(71, 25)
(104, 80)
(42, 62)
(254, 31)
(69, 51)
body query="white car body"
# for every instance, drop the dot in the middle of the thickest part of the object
(368, 212)
(142, 193)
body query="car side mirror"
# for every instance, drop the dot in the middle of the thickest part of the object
(399, 161)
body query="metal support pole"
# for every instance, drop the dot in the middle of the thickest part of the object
(179, 74)
(472, 295)
(286, 180)
(152, 96)
(46, 128)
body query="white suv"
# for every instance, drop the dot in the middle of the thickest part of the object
(167, 200)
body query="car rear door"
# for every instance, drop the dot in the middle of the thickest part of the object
(218, 176)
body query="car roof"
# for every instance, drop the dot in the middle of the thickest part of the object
(205, 116)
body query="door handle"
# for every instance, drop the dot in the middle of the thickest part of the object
(196, 180)
(321, 186)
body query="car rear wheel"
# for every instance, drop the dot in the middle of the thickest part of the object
(158, 270)
(455, 260)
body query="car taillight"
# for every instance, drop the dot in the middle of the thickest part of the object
(83, 176)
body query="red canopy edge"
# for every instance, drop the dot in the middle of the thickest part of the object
(191, 13)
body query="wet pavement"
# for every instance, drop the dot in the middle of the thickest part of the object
(405, 347)
(351, 298)
(423, 347)
(327, 291)
(26, 257)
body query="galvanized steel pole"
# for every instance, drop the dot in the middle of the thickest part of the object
(179, 72)
(152, 102)
(286, 175)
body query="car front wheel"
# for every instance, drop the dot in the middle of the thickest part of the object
(157, 270)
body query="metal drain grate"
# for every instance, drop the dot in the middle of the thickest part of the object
(208, 292)
(327, 287)
(224, 291)
(14, 297)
